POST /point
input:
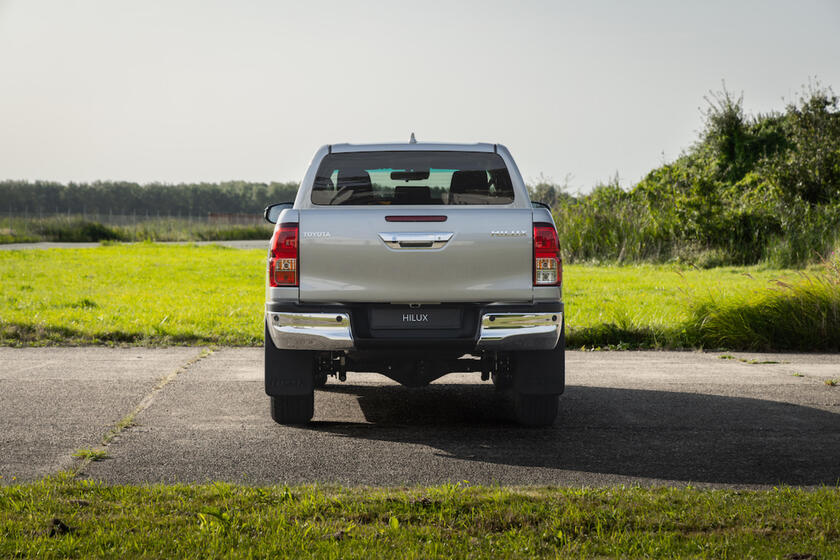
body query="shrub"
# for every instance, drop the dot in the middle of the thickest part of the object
(762, 188)
(77, 231)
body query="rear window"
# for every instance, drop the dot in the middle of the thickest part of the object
(397, 178)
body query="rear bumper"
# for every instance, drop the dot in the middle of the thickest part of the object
(291, 330)
(519, 331)
(492, 327)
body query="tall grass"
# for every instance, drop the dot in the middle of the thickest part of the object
(787, 316)
(609, 225)
(77, 229)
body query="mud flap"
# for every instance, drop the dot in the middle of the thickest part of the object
(288, 372)
(541, 372)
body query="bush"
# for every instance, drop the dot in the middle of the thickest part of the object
(78, 231)
(752, 189)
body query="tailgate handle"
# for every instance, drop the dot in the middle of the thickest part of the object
(418, 240)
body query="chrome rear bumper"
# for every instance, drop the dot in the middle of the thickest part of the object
(520, 331)
(310, 331)
(332, 332)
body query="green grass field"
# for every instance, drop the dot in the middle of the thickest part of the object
(62, 518)
(139, 294)
(649, 304)
(156, 294)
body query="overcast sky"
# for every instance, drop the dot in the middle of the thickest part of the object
(182, 90)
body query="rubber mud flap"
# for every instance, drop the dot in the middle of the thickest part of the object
(288, 372)
(541, 372)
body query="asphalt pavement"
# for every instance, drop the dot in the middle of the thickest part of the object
(646, 418)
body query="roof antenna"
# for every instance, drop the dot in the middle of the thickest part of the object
(412, 140)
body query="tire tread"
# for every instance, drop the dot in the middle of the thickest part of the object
(293, 409)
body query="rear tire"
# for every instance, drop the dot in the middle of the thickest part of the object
(536, 410)
(293, 409)
(289, 381)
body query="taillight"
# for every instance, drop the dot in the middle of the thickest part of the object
(283, 263)
(548, 266)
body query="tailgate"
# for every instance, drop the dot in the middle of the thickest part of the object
(356, 255)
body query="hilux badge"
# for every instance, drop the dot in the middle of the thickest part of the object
(415, 318)
(508, 233)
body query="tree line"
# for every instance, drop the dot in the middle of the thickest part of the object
(121, 197)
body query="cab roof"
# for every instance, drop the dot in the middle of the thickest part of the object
(413, 147)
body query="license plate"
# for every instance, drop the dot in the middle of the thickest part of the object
(407, 318)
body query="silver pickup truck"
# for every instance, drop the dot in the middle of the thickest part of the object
(413, 261)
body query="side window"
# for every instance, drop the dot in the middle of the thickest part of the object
(323, 190)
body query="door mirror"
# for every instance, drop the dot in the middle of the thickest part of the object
(272, 211)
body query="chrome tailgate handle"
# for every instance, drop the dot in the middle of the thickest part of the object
(415, 240)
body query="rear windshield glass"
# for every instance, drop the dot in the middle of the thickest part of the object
(370, 178)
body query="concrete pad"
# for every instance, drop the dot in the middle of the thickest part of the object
(647, 418)
(54, 401)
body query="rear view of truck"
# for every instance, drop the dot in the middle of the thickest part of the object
(414, 261)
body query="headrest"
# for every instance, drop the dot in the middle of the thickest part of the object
(357, 180)
(322, 184)
(412, 195)
(469, 182)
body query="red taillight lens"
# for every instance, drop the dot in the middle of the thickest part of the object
(548, 266)
(283, 263)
